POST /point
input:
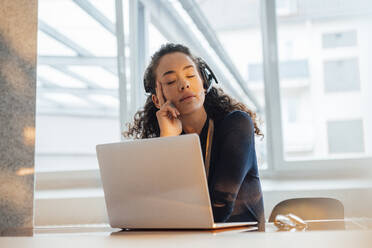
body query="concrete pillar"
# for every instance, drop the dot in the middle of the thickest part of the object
(18, 32)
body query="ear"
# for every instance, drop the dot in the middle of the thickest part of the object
(155, 100)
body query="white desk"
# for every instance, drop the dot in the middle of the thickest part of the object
(106, 237)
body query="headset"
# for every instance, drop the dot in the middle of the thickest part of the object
(206, 72)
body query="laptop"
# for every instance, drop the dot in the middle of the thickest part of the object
(157, 183)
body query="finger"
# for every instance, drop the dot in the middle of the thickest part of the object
(167, 108)
(171, 104)
(174, 106)
(167, 113)
(159, 93)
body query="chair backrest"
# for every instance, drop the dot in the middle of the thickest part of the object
(310, 209)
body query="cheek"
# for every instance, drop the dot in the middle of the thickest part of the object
(169, 93)
(199, 91)
(202, 96)
(198, 87)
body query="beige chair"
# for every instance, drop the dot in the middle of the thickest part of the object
(312, 209)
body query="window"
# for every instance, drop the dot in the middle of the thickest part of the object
(293, 105)
(306, 73)
(79, 94)
(290, 69)
(339, 39)
(77, 90)
(156, 39)
(341, 75)
(327, 72)
(345, 137)
(77, 106)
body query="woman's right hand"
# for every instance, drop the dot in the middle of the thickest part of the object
(167, 115)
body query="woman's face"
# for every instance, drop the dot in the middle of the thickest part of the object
(181, 82)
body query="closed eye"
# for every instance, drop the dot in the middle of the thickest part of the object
(171, 82)
(191, 76)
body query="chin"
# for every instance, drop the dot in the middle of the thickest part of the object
(186, 110)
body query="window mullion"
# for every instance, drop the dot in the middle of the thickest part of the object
(272, 87)
(120, 37)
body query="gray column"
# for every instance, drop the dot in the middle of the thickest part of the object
(138, 30)
(18, 31)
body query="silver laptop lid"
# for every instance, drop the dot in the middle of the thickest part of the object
(155, 183)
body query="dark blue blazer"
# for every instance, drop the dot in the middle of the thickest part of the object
(233, 180)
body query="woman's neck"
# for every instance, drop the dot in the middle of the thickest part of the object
(194, 122)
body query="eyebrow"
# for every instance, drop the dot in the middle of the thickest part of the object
(184, 68)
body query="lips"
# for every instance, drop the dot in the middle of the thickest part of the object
(187, 97)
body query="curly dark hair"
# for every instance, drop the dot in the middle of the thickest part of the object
(217, 104)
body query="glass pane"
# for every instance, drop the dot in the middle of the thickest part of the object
(156, 39)
(66, 17)
(324, 60)
(49, 46)
(98, 76)
(77, 98)
(107, 8)
(51, 76)
(239, 32)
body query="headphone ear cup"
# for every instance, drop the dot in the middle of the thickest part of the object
(204, 73)
(207, 75)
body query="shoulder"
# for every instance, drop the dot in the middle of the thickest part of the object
(236, 117)
(236, 120)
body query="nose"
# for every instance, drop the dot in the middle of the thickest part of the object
(183, 84)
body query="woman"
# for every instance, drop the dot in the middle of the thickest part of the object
(182, 101)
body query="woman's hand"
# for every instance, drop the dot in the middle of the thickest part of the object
(167, 115)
